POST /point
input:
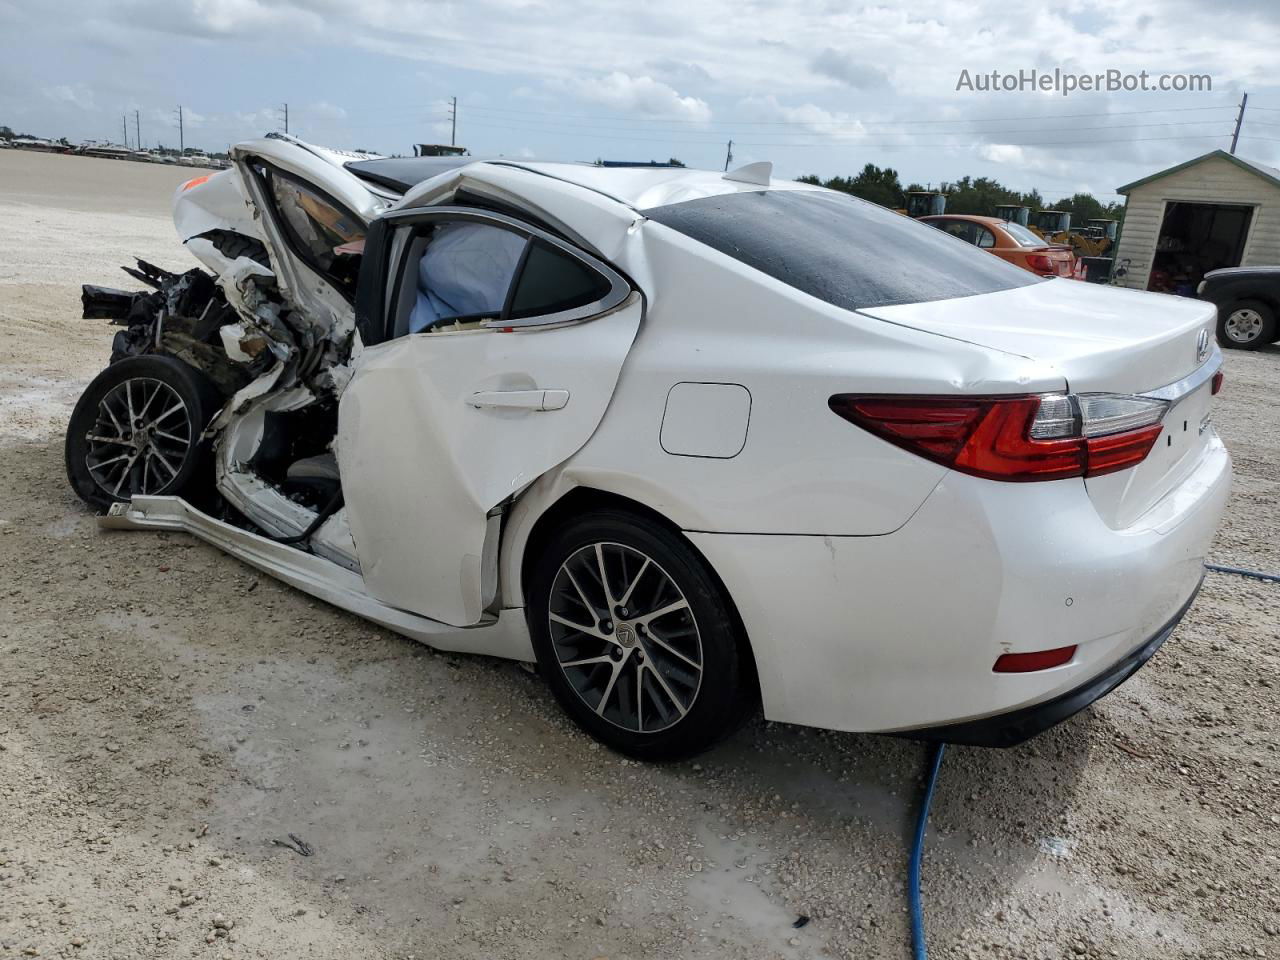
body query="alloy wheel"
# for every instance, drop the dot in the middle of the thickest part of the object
(625, 637)
(140, 440)
(1243, 325)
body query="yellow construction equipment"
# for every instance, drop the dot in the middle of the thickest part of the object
(1050, 224)
(924, 203)
(1094, 239)
(1012, 213)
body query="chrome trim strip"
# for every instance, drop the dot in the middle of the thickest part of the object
(1174, 392)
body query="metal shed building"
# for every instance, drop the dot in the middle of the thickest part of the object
(1217, 210)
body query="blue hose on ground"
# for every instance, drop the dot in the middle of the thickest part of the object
(1240, 572)
(919, 946)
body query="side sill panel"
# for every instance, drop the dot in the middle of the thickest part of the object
(503, 636)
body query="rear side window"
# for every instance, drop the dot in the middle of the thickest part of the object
(1023, 236)
(840, 249)
(957, 228)
(467, 271)
(553, 281)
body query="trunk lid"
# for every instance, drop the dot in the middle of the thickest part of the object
(1061, 260)
(1101, 339)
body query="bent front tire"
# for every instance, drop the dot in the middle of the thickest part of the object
(136, 430)
(636, 638)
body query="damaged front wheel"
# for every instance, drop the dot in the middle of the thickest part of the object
(136, 430)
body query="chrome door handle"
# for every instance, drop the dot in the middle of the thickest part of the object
(519, 399)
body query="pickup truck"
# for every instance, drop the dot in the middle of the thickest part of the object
(1248, 302)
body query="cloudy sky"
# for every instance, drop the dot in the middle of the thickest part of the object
(815, 87)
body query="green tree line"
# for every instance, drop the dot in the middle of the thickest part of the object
(978, 196)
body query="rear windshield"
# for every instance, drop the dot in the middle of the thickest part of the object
(840, 249)
(1022, 235)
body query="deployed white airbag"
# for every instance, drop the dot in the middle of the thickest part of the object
(465, 270)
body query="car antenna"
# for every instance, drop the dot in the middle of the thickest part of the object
(758, 172)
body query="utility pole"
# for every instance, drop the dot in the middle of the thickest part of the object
(182, 146)
(137, 128)
(124, 127)
(286, 118)
(453, 119)
(728, 156)
(1239, 120)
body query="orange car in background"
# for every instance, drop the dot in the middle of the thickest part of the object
(1010, 241)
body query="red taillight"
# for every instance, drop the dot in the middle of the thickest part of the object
(1030, 662)
(1120, 451)
(993, 437)
(1217, 383)
(1039, 262)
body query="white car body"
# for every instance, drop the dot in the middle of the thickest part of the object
(876, 587)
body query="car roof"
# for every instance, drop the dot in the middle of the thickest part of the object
(403, 173)
(643, 187)
(639, 186)
(986, 221)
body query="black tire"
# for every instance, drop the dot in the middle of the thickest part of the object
(1246, 318)
(684, 718)
(160, 465)
(234, 245)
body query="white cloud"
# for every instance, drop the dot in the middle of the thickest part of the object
(849, 69)
(239, 16)
(805, 118)
(324, 110)
(643, 95)
(77, 95)
(1002, 153)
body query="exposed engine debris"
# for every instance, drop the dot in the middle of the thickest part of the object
(235, 328)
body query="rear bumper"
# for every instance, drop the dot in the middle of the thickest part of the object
(1016, 726)
(899, 633)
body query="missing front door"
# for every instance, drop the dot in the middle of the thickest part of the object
(1194, 239)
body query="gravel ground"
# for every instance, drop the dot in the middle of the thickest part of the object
(169, 719)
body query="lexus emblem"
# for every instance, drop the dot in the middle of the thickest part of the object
(1202, 346)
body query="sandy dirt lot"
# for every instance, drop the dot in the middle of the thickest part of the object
(169, 718)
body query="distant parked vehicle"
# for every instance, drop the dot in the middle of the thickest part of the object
(1010, 241)
(1248, 302)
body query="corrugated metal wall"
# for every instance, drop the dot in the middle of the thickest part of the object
(1213, 181)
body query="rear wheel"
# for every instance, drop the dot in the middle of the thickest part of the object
(136, 430)
(1246, 325)
(635, 637)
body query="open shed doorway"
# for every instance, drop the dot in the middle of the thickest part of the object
(1194, 239)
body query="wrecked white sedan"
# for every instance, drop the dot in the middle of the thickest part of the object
(690, 441)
